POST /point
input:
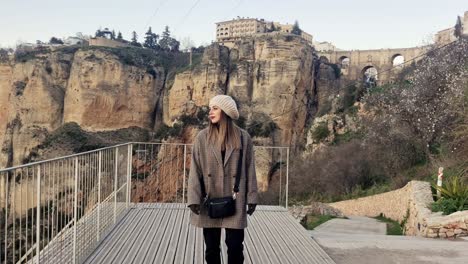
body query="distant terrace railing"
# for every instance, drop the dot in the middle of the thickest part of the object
(59, 210)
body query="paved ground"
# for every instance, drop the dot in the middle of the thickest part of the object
(362, 240)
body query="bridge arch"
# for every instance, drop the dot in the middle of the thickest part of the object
(344, 61)
(398, 60)
(369, 75)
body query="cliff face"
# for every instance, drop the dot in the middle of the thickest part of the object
(5, 90)
(195, 87)
(90, 87)
(36, 91)
(104, 94)
(271, 78)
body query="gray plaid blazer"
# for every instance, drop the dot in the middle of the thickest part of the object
(219, 179)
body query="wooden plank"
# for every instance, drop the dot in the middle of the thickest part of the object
(148, 230)
(119, 229)
(291, 231)
(177, 230)
(158, 238)
(167, 237)
(270, 244)
(294, 245)
(189, 255)
(121, 251)
(273, 239)
(294, 228)
(273, 236)
(105, 255)
(261, 246)
(147, 242)
(279, 238)
(182, 243)
(248, 247)
(199, 244)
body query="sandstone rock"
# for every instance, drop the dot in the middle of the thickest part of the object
(457, 231)
(105, 94)
(35, 103)
(6, 75)
(199, 85)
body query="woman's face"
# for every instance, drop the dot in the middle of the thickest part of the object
(215, 114)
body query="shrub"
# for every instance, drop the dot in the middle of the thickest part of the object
(69, 132)
(259, 129)
(320, 132)
(311, 221)
(454, 196)
(447, 206)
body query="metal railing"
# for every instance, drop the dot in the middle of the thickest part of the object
(58, 211)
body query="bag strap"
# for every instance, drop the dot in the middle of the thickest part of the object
(238, 175)
(239, 166)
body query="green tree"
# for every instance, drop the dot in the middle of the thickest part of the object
(135, 40)
(113, 34)
(119, 36)
(296, 29)
(174, 45)
(151, 39)
(167, 42)
(165, 39)
(55, 40)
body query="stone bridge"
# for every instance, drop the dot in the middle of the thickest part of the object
(384, 64)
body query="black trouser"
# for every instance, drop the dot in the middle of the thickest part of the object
(234, 242)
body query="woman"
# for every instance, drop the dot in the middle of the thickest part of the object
(216, 159)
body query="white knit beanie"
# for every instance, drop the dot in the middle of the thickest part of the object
(227, 104)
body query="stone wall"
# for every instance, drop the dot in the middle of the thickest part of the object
(99, 41)
(410, 204)
(392, 204)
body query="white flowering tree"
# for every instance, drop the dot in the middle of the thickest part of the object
(429, 98)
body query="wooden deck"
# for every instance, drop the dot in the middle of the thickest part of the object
(161, 233)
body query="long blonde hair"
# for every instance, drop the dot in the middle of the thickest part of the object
(224, 134)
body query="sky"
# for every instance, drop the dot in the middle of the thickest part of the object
(349, 24)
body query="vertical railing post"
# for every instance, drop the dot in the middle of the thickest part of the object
(287, 176)
(75, 210)
(183, 183)
(38, 211)
(98, 233)
(280, 175)
(129, 173)
(5, 185)
(115, 184)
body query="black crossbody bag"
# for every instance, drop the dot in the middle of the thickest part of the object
(223, 206)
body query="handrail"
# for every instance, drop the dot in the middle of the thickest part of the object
(65, 194)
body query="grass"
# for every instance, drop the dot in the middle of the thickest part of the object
(312, 221)
(393, 227)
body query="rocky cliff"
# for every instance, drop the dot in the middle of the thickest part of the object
(271, 77)
(275, 80)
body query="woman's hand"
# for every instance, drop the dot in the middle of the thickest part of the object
(195, 208)
(251, 208)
